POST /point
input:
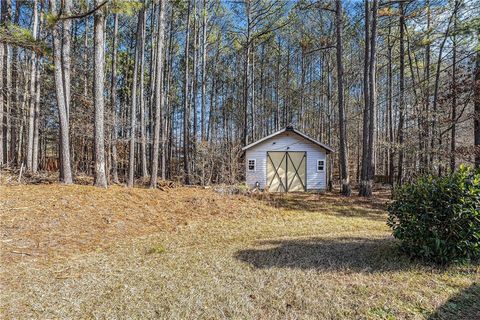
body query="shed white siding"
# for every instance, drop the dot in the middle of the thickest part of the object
(286, 141)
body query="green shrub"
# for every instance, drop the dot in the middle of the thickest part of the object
(438, 218)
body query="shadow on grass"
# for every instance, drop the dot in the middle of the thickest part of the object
(340, 254)
(331, 204)
(463, 306)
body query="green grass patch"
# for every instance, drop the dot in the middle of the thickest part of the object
(156, 249)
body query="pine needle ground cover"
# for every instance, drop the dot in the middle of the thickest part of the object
(191, 253)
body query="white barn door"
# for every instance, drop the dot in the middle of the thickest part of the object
(286, 171)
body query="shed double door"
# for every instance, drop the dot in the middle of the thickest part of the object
(286, 171)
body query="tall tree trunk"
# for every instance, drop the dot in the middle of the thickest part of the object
(66, 61)
(152, 71)
(286, 99)
(158, 95)
(133, 112)
(2, 86)
(454, 95)
(476, 114)
(425, 117)
(196, 35)
(344, 175)
(143, 133)
(85, 60)
(372, 101)
(22, 121)
(329, 120)
(402, 96)
(246, 75)
(196, 44)
(391, 148)
(66, 56)
(36, 124)
(302, 91)
(277, 89)
(6, 14)
(253, 111)
(211, 118)
(113, 101)
(186, 108)
(31, 100)
(366, 111)
(214, 98)
(66, 169)
(13, 119)
(435, 135)
(204, 66)
(98, 87)
(167, 115)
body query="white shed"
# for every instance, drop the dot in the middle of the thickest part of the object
(287, 160)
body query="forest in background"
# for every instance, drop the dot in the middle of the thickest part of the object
(124, 89)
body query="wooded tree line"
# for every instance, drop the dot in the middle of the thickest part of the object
(157, 89)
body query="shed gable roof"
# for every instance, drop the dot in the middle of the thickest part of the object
(290, 129)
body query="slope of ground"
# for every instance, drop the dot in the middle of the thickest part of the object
(41, 222)
(193, 254)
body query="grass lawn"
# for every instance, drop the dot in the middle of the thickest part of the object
(190, 253)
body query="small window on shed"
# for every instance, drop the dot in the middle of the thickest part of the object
(251, 164)
(320, 165)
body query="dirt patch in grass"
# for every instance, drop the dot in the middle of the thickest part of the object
(44, 222)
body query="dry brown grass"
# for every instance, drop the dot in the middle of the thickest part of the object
(41, 222)
(193, 254)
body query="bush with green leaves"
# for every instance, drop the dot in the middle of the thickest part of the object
(438, 218)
